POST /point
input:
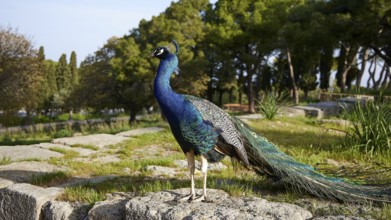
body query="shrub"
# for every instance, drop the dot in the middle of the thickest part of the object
(270, 105)
(370, 129)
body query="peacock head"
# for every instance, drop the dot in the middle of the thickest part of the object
(162, 52)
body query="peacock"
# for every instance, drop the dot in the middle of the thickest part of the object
(205, 130)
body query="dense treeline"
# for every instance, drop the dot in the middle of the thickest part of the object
(241, 48)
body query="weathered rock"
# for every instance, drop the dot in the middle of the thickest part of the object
(162, 171)
(250, 116)
(108, 210)
(23, 171)
(331, 210)
(98, 140)
(59, 210)
(211, 166)
(339, 217)
(27, 152)
(5, 183)
(113, 208)
(24, 201)
(100, 159)
(82, 151)
(291, 111)
(164, 205)
(140, 131)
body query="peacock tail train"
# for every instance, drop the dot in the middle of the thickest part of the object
(266, 158)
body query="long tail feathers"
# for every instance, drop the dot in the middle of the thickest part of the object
(267, 159)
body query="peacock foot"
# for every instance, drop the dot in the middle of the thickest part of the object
(189, 197)
(200, 199)
(192, 198)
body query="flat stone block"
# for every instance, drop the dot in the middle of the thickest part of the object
(24, 201)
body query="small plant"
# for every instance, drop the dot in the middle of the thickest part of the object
(5, 160)
(370, 129)
(270, 105)
(63, 133)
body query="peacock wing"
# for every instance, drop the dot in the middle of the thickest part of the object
(200, 133)
(222, 121)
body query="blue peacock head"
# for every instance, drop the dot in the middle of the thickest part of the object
(162, 52)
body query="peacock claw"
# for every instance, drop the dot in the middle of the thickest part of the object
(187, 198)
(200, 199)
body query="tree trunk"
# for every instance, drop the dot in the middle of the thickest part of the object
(364, 58)
(371, 72)
(295, 92)
(231, 96)
(132, 117)
(378, 81)
(325, 64)
(250, 90)
(345, 61)
(386, 76)
(221, 93)
(240, 88)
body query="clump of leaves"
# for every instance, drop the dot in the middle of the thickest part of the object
(5, 160)
(270, 105)
(370, 129)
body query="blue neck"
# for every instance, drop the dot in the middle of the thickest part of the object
(166, 97)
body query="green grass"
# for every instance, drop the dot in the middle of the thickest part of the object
(85, 146)
(311, 142)
(67, 154)
(370, 129)
(41, 134)
(5, 160)
(305, 139)
(50, 179)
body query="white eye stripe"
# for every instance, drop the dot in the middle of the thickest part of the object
(159, 52)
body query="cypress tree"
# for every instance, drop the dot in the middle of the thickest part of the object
(63, 78)
(73, 70)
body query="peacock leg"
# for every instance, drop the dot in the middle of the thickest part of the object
(191, 166)
(204, 169)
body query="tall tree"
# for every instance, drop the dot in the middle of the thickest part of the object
(73, 69)
(63, 78)
(236, 28)
(20, 75)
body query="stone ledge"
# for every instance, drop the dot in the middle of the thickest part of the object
(24, 201)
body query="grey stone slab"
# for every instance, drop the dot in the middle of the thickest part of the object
(82, 151)
(164, 205)
(98, 140)
(23, 152)
(108, 210)
(24, 201)
(140, 131)
(60, 210)
(23, 171)
(5, 183)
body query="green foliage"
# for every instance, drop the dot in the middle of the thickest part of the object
(63, 133)
(50, 179)
(270, 105)
(73, 69)
(370, 129)
(20, 72)
(85, 146)
(5, 160)
(83, 194)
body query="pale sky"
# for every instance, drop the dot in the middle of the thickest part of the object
(82, 26)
